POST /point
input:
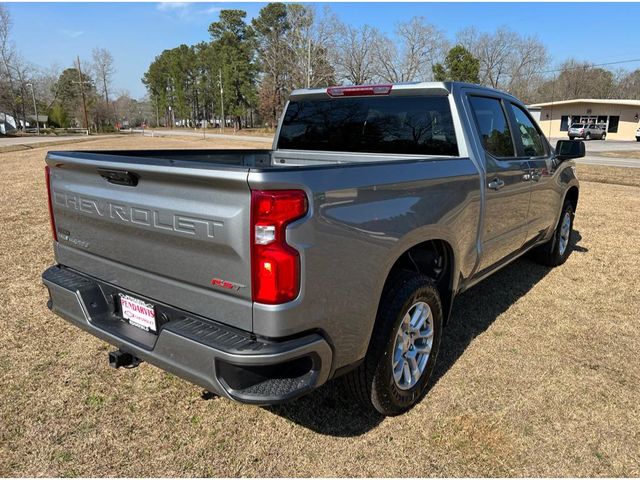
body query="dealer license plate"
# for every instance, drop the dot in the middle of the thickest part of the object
(138, 313)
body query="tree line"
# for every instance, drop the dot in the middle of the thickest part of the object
(245, 72)
(63, 95)
(249, 68)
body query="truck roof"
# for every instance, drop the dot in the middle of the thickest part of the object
(409, 88)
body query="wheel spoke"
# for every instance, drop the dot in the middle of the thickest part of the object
(417, 316)
(406, 373)
(425, 333)
(415, 371)
(423, 318)
(424, 348)
(398, 371)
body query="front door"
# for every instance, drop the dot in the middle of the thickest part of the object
(507, 188)
(545, 196)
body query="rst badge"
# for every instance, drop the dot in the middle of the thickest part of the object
(226, 285)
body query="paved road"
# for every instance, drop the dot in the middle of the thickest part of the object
(198, 134)
(594, 147)
(37, 140)
(610, 161)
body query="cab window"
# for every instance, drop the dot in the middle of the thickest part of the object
(532, 142)
(492, 124)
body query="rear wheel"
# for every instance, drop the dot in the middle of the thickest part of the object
(556, 251)
(403, 348)
(587, 136)
(604, 136)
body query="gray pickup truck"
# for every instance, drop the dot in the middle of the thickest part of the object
(261, 274)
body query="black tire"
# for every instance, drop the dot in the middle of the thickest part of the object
(587, 136)
(604, 137)
(373, 383)
(551, 253)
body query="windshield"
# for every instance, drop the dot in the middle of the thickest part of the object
(385, 124)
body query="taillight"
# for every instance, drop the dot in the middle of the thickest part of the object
(275, 265)
(359, 90)
(47, 176)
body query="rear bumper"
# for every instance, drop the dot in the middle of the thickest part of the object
(224, 360)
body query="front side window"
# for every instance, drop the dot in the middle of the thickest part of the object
(418, 125)
(493, 126)
(531, 138)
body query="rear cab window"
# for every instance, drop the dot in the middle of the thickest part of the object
(493, 126)
(410, 125)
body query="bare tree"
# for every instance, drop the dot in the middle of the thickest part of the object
(422, 45)
(494, 51)
(7, 54)
(45, 84)
(526, 67)
(354, 53)
(628, 84)
(23, 74)
(310, 40)
(579, 80)
(508, 60)
(103, 71)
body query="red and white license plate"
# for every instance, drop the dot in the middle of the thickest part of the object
(138, 313)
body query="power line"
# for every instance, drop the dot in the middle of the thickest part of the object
(591, 65)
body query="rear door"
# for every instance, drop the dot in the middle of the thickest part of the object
(163, 229)
(507, 187)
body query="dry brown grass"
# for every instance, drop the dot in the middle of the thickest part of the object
(539, 373)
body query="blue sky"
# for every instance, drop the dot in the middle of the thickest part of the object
(54, 33)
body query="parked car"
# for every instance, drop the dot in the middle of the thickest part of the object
(262, 274)
(587, 131)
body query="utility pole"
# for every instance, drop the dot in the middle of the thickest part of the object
(309, 63)
(35, 108)
(221, 98)
(84, 99)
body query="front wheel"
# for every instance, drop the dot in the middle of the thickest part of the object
(587, 136)
(403, 347)
(556, 251)
(604, 136)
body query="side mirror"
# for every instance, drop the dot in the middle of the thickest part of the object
(568, 149)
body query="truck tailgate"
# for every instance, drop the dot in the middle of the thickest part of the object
(163, 229)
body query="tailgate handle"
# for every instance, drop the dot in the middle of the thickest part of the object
(119, 177)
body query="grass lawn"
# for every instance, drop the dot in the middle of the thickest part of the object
(538, 374)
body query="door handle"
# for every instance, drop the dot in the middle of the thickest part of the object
(496, 184)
